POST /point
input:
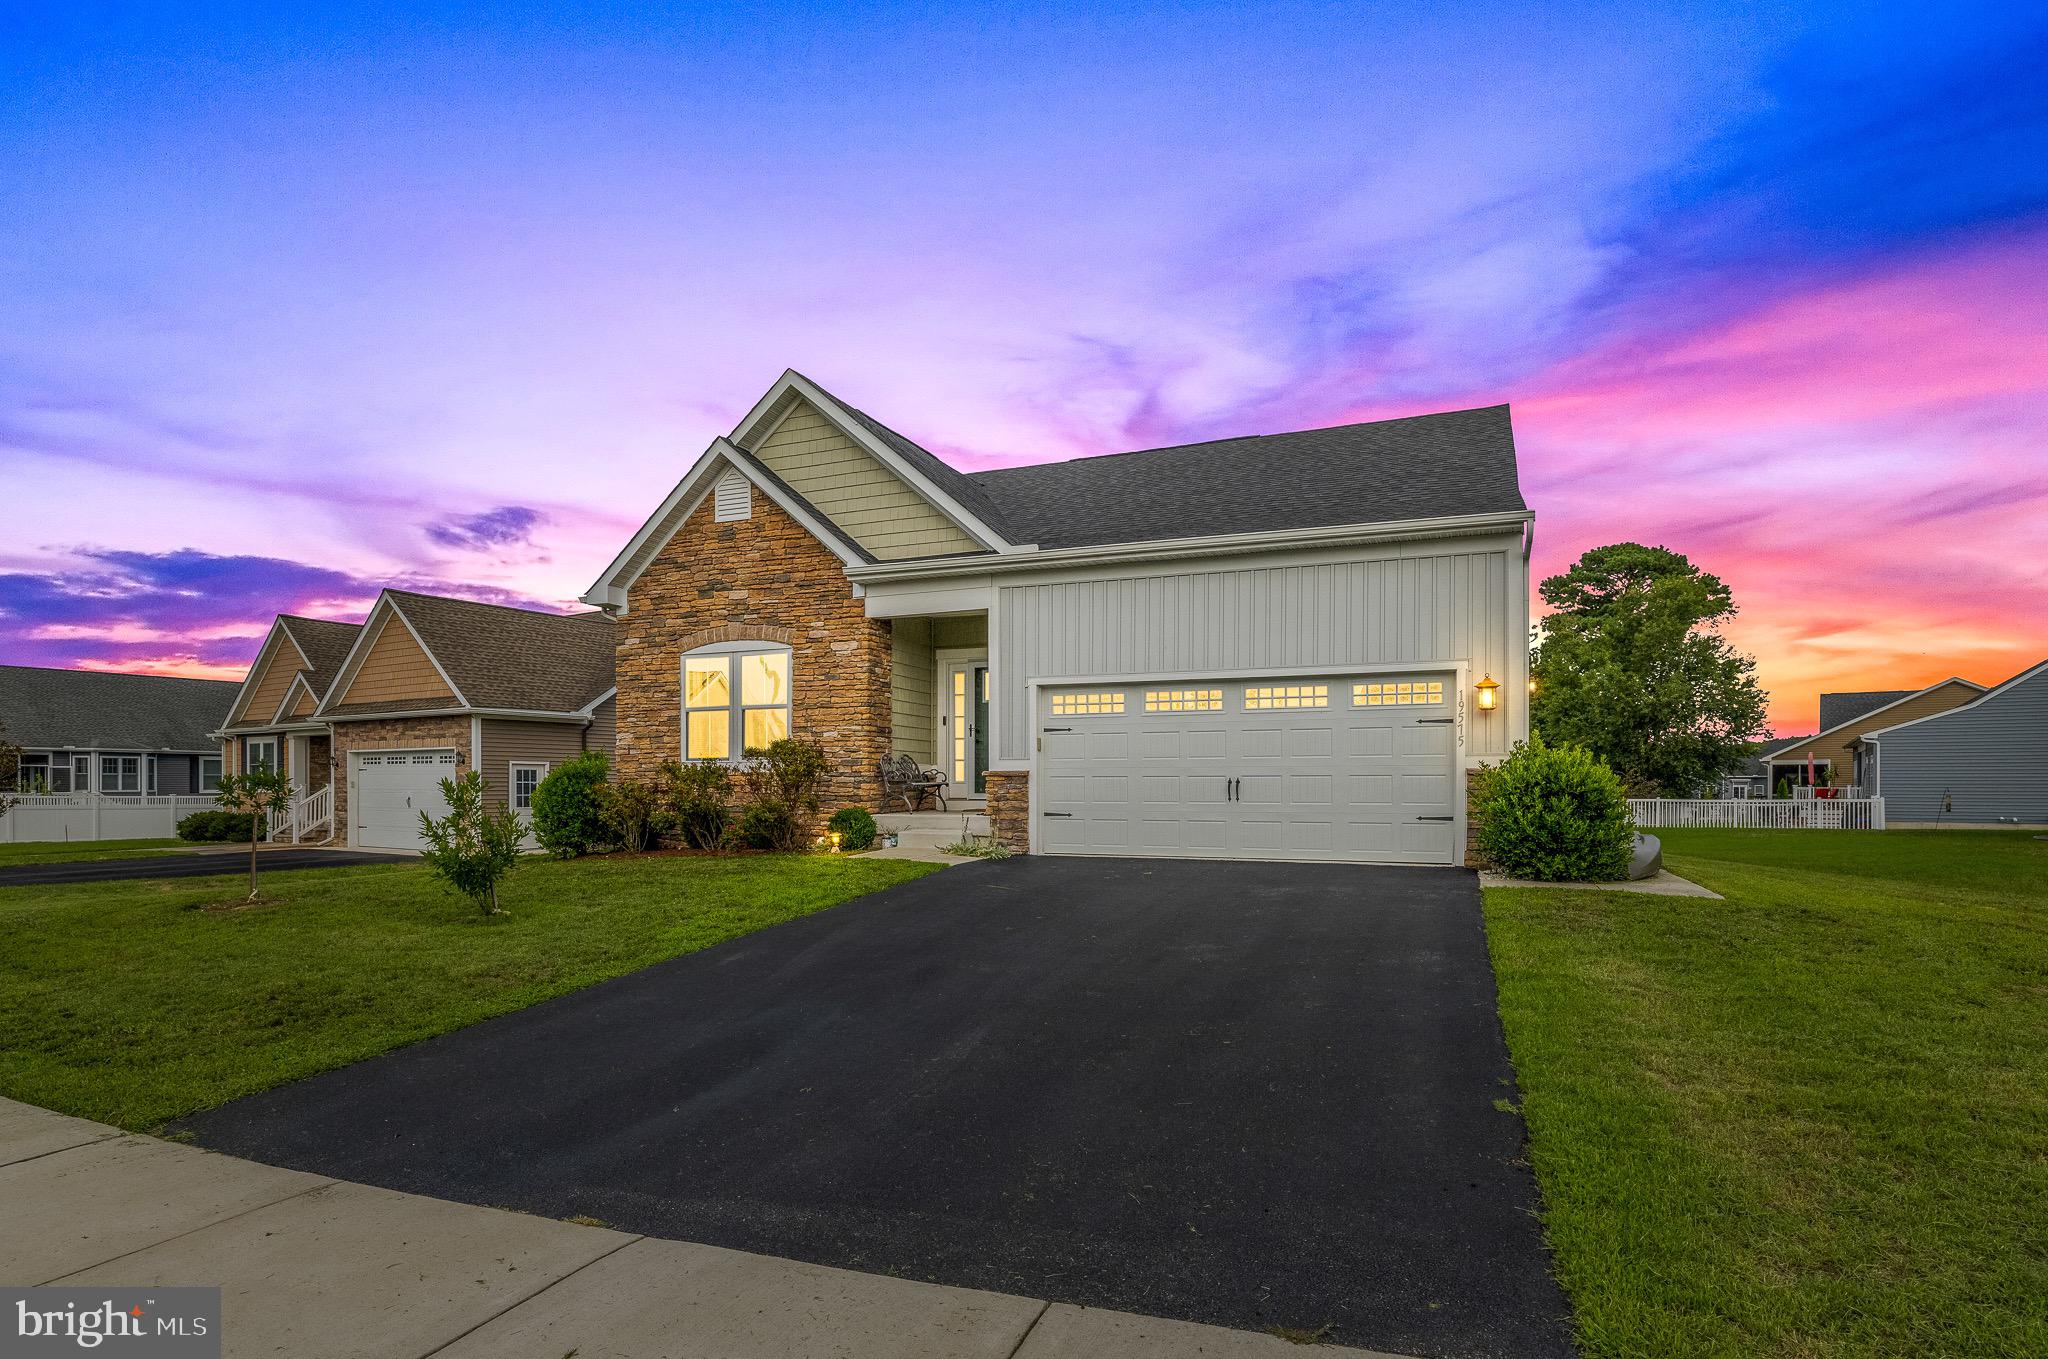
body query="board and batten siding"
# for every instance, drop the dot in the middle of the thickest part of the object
(1990, 759)
(508, 742)
(1430, 605)
(868, 502)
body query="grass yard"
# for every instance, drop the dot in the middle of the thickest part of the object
(128, 1003)
(1808, 1121)
(65, 851)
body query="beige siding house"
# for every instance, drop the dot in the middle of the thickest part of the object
(368, 719)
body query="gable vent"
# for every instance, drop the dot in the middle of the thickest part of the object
(734, 498)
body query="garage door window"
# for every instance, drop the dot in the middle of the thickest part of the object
(1287, 696)
(1087, 705)
(1396, 693)
(735, 699)
(1183, 700)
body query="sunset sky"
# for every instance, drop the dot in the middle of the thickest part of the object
(296, 302)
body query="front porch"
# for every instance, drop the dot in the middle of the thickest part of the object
(939, 690)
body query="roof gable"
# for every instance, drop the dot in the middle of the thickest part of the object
(612, 589)
(951, 493)
(515, 660)
(388, 670)
(277, 661)
(1990, 697)
(1898, 699)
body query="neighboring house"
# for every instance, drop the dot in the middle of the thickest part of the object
(424, 688)
(1758, 777)
(88, 731)
(1262, 647)
(1844, 718)
(1982, 762)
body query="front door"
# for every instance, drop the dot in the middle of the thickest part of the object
(963, 724)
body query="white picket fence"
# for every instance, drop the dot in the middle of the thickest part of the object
(1832, 813)
(98, 816)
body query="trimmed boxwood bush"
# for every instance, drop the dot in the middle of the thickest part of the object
(766, 825)
(855, 826)
(215, 828)
(568, 817)
(1554, 814)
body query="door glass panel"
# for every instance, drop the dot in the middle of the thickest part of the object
(710, 735)
(707, 683)
(981, 729)
(764, 678)
(765, 725)
(959, 725)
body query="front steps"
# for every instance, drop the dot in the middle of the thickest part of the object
(932, 830)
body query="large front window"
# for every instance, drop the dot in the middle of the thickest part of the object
(260, 755)
(735, 699)
(120, 773)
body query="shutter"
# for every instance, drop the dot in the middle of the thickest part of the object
(734, 498)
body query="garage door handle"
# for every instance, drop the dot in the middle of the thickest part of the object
(1435, 818)
(1435, 721)
(1055, 813)
(1055, 728)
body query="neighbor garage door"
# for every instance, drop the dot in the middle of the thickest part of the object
(1355, 768)
(392, 788)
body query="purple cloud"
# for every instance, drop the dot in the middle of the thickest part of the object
(501, 527)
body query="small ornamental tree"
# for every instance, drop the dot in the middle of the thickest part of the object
(472, 848)
(255, 795)
(567, 816)
(1554, 814)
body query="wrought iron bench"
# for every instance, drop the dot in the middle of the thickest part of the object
(902, 778)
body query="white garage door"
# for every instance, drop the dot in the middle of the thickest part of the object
(392, 788)
(1356, 768)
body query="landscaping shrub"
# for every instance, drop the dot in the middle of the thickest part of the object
(695, 801)
(212, 828)
(1554, 814)
(855, 826)
(631, 812)
(567, 819)
(779, 785)
(767, 825)
(470, 848)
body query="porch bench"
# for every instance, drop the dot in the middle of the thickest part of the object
(903, 778)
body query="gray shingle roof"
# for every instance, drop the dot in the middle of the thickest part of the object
(966, 490)
(1420, 467)
(501, 657)
(91, 709)
(1835, 709)
(326, 644)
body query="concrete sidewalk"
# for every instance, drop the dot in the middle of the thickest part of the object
(311, 1266)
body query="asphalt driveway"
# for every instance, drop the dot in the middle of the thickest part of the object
(1251, 1094)
(191, 864)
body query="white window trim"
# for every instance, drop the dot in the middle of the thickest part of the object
(736, 706)
(219, 768)
(120, 763)
(540, 768)
(249, 745)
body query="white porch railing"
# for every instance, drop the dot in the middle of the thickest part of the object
(298, 821)
(98, 816)
(1829, 813)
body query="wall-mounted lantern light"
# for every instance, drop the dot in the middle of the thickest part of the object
(1489, 694)
(1532, 684)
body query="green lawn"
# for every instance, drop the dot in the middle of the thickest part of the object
(60, 851)
(128, 1003)
(1810, 1121)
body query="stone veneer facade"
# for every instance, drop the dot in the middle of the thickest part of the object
(760, 579)
(1009, 808)
(397, 733)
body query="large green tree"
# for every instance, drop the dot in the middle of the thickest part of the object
(1632, 665)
